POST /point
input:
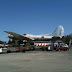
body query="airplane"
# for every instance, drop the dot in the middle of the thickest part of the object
(58, 33)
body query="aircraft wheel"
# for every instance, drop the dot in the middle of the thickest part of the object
(23, 50)
(9, 51)
(33, 49)
(46, 49)
(42, 49)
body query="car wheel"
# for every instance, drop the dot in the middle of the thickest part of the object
(56, 49)
(59, 49)
(67, 49)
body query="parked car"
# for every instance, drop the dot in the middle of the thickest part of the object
(62, 47)
(3, 50)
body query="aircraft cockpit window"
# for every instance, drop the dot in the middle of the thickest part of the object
(10, 35)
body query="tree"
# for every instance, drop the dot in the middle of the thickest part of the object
(1, 42)
(66, 39)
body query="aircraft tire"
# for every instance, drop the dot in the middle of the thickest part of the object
(42, 49)
(9, 51)
(23, 50)
(46, 49)
(33, 49)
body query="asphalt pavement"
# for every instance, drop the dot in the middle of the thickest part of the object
(37, 61)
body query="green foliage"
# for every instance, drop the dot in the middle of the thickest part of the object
(66, 39)
(43, 46)
(1, 42)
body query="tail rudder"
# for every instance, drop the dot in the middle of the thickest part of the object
(59, 31)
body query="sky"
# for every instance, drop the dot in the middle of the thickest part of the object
(34, 16)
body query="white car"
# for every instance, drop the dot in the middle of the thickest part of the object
(3, 50)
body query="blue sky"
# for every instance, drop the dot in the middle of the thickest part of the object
(34, 16)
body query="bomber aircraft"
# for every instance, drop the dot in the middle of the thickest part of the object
(58, 33)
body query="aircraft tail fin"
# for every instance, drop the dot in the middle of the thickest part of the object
(59, 31)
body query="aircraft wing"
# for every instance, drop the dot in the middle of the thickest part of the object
(17, 36)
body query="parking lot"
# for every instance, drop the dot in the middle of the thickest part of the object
(37, 61)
